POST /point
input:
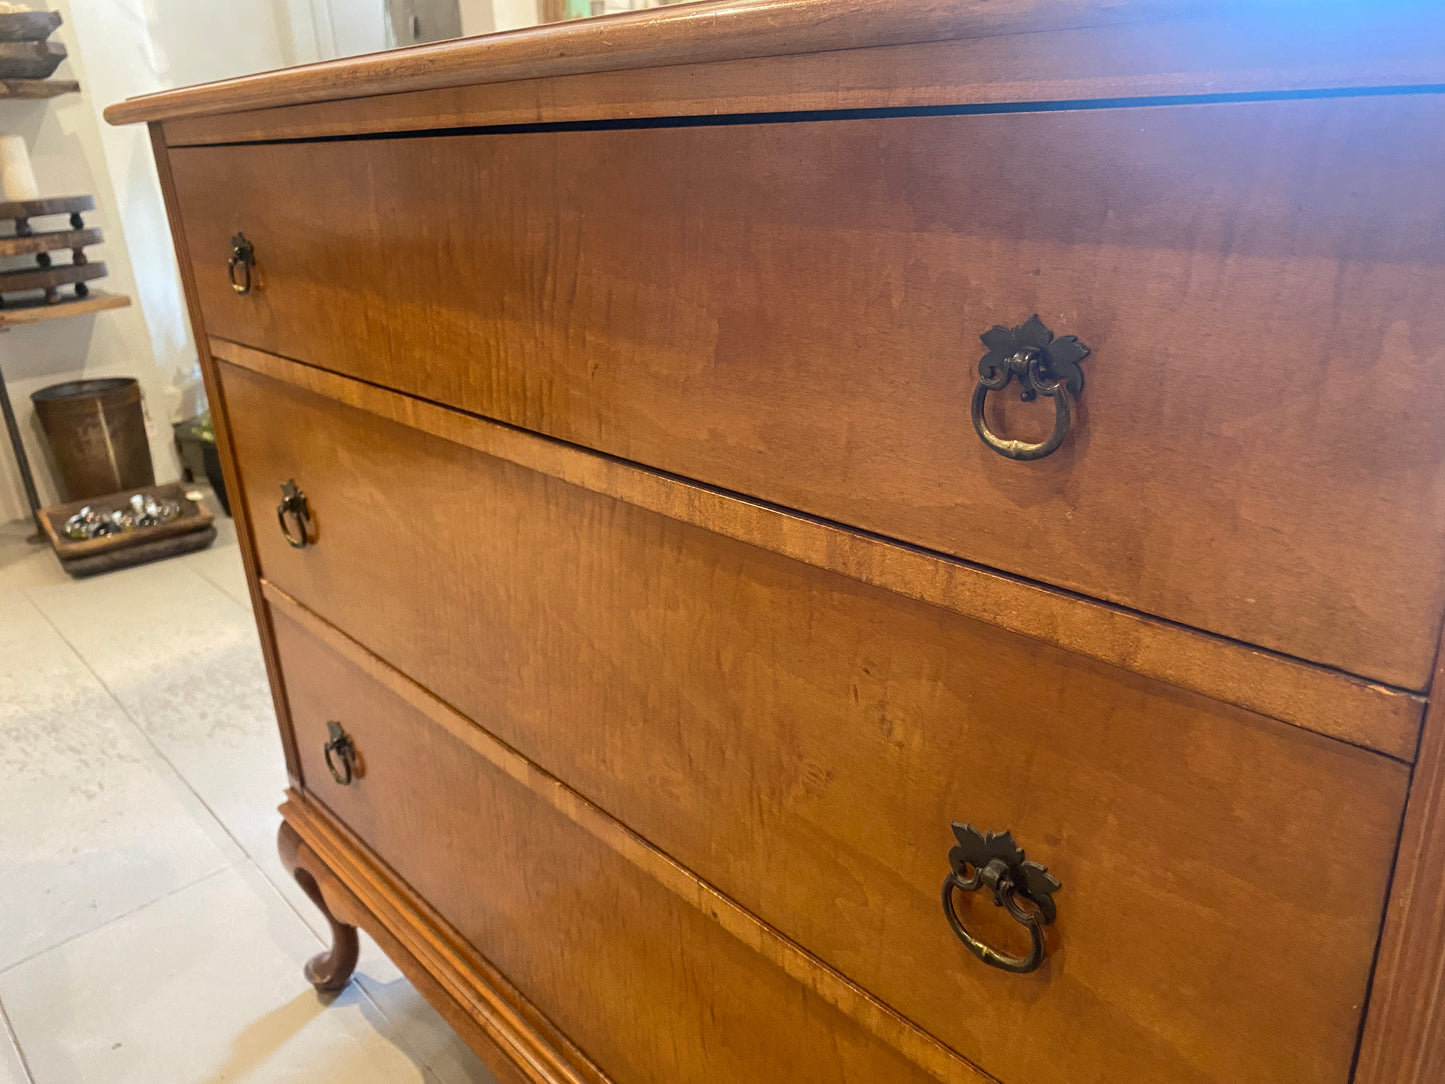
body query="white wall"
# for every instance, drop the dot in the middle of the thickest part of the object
(479, 18)
(506, 15)
(355, 26)
(349, 27)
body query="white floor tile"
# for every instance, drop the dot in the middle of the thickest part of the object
(12, 1069)
(24, 563)
(174, 645)
(192, 678)
(221, 564)
(202, 986)
(415, 1022)
(92, 823)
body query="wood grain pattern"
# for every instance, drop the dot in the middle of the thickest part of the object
(792, 312)
(581, 931)
(802, 742)
(216, 398)
(1325, 701)
(1404, 1036)
(343, 655)
(518, 1044)
(688, 33)
(1195, 56)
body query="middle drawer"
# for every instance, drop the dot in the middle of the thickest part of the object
(803, 742)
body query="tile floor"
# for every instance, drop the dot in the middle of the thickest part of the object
(148, 933)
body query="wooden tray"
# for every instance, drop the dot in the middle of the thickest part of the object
(28, 25)
(29, 59)
(139, 554)
(194, 517)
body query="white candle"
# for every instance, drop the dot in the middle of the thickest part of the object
(16, 177)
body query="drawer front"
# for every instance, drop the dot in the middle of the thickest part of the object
(793, 311)
(647, 986)
(803, 742)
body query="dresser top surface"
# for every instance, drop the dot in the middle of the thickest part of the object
(694, 33)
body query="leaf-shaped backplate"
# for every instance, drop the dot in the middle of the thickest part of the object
(1040, 885)
(1002, 845)
(972, 847)
(1032, 332)
(1002, 345)
(1063, 356)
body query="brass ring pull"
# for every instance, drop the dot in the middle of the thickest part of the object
(994, 861)
(1043, 365)
(340, 744)
(293, 504)
(243, 255)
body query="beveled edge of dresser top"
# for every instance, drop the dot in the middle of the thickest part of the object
(696, 33)
(1348, 708)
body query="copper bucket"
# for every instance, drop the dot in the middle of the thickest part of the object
(97, 434)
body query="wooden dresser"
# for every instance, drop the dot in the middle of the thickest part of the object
(720, 485)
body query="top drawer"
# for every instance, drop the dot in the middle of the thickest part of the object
(793, 311)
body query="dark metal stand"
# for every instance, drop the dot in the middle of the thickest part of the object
(13, 429)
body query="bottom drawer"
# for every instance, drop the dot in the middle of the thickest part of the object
(648, 986)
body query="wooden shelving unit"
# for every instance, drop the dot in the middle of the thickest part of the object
(22, 32)
(27, 60)
(45, 274)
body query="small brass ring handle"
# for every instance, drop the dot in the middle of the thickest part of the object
(293, 504)
(339, 743)
(243, 255)
(1043, 365)
(994, 861)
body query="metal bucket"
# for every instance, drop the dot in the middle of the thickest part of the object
(97, 434)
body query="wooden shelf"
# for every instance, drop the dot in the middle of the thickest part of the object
(37, 311)
(53, 241)
(54, 205)
(49, 278)
(37, 88)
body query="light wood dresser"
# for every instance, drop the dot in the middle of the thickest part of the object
(837, 541)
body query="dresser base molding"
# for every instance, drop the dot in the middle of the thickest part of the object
(505, 1031)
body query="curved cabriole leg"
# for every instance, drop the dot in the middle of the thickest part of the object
(331, 970)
